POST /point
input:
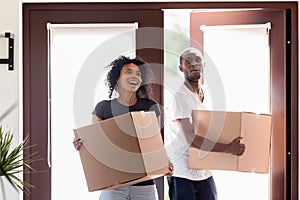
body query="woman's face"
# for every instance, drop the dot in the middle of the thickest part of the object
(130, 78)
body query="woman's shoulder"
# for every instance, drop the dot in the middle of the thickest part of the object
(104, 103)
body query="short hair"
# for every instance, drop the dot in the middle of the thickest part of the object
(115, 70)
(190, 50)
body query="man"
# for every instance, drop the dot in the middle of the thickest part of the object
(187, 183)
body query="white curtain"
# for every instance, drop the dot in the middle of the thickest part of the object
(238, 58)
(78, 54)
(240, 55)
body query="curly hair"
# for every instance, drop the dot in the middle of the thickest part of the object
(115, 70)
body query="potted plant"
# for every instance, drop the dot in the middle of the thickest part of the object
(13, 161)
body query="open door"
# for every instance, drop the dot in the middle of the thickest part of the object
(278, 162)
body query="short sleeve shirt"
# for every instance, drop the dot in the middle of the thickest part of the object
(180, 107)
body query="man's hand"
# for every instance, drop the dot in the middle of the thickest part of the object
(235, 147)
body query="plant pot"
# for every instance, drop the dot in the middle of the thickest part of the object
(2, 189)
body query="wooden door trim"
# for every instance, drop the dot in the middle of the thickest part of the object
(277, 90)
(29, 103)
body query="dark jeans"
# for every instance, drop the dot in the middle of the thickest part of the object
(185, 189)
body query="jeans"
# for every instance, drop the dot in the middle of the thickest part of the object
(183, 189)
(147, 192)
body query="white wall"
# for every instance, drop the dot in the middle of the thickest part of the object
(10, 20)
(9, 80)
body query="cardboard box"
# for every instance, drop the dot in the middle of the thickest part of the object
(122, 151)
(224, 127)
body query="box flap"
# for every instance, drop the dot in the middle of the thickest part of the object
(150, 141)
(256, 131)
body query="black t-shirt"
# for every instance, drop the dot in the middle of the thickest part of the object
(112, 108)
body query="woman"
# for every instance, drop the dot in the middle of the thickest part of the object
(130, 79)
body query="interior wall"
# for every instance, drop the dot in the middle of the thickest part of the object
(9, 82)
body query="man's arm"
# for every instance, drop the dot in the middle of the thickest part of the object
(234, 147)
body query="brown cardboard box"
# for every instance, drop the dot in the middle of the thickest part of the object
(224, 127)
(122, 151)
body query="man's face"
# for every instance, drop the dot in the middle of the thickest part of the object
(192, 66)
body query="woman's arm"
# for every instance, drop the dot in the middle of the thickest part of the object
(77, 142)
(96, 119)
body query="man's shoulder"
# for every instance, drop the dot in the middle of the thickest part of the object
(182, 93)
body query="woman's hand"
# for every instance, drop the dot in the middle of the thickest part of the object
(201, 95)
(77, 142)
(171, 169)
(235, 147)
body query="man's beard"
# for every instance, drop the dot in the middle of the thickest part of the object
(194, 78)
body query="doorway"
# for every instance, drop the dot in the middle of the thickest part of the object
(232, 66)
(284, 174)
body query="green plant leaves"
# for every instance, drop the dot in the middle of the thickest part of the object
(12, 160)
